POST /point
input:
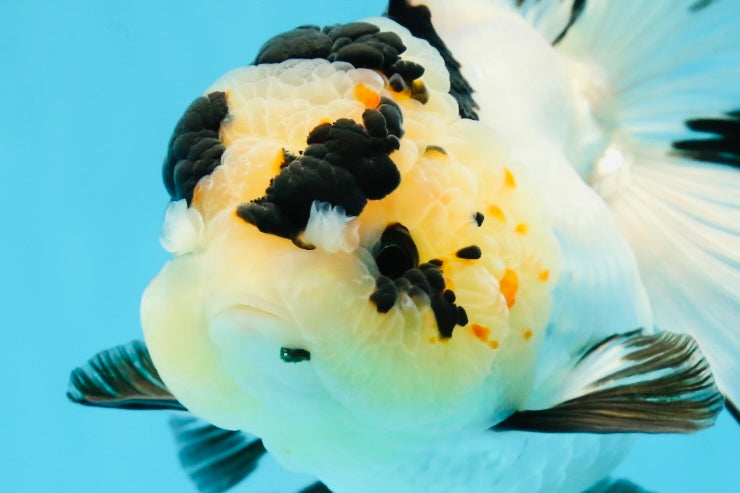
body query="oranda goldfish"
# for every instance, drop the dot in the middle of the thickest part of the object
(464, 247)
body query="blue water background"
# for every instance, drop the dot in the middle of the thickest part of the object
(90, 93)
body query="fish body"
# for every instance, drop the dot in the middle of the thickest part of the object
(400, 272)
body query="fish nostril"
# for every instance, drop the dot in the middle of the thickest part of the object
(396, 251)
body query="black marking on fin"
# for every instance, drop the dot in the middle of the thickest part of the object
(122, 377)
(345, 164)
(194, 150)
(215, 459)
(575, 13)
(619, 486)
(656, 384)
(732, 409)
(418, 20)
(700, 5)
(316, 488)
(722, 148)
(479, 217)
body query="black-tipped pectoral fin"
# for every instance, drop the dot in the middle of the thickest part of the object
(122, 377)
(633, 382)
(214, 458)
(618, 486)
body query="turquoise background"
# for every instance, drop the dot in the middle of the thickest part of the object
(90, 93)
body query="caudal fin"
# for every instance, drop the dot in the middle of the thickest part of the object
(662, 80)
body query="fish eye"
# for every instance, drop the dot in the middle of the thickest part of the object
(396, 251)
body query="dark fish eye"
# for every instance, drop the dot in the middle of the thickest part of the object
(396, 251)
(294, 355)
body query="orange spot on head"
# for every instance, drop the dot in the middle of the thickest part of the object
(509, 178)
(495, 211)
(544, 275)
(197, 195)
(522, 228)
(493, 344)
(509, 285)
(527, 335)
(449, 283)
(480, 332)
(367, 96)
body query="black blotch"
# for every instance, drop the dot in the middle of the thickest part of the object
(396, 251)
(359, 43)
(194, 150)
(575, 13)
(700, 5)
(393, 116)
(434, 148)
(396, 82)
(721, 148)
(462, 316)
(471, 252)
(345, 164)
(418, 20)
(385, 294)
(294, 355)
(479, 217)
(425, 281)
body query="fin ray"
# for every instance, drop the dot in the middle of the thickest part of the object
(633, 382)
(122, 377)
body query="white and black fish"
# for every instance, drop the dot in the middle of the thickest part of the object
(467, 246)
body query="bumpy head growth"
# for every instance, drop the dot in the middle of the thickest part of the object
(359, 265)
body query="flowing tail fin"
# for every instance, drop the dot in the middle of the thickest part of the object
(662, 80)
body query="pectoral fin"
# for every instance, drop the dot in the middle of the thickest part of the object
(214, 458)
(633, 382)
(122, 377)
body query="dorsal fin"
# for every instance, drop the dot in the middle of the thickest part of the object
(633, 382)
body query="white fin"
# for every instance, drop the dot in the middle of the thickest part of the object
(633, 382)
(654, 74)
(330, 229)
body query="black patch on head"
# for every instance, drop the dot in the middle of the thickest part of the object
(361, 44)
(418, 20)
(479, 217)
(426, 280)
(575, 13)
(345, 164)
(723, 148)
(194, 150)
(471, 252)
(396, 251)
(294, 355)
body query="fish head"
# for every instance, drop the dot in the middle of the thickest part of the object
(302, 317)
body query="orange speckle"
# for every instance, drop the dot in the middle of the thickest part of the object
(495, 211)
(522, 228)
(493, 344)
(367, 96)
(432, 340)
(509, 285)
(449, 283)
(480, 332)
(197, 195)
(509, 178)
(544, 275)
(527, 335)
(324, 120)
(279, 160)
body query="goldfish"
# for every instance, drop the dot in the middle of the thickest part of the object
(466, 246)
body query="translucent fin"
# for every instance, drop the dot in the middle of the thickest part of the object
(660, 80)
(631, 382)
(316, 488)
(121, 377)
(618, 486)
(214, 458)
